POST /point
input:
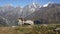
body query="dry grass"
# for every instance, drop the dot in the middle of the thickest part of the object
(8, 30)
(14, 30)
(36, 29)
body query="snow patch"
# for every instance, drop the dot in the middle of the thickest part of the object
(34, 5)
(48, 4)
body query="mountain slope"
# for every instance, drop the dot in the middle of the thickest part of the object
(50, 14)
(10, 13)
(29, 9)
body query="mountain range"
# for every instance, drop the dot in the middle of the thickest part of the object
(49, 13)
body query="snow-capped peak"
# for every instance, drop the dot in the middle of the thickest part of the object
(45, 5)
(34, 5)
(49, 3)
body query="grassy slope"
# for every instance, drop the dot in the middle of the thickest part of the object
(36, 29)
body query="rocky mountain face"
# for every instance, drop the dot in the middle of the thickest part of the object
(10, 13)
(3, 21)
(29, 9)
(49, 13)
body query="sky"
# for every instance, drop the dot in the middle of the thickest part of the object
(23, 3)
